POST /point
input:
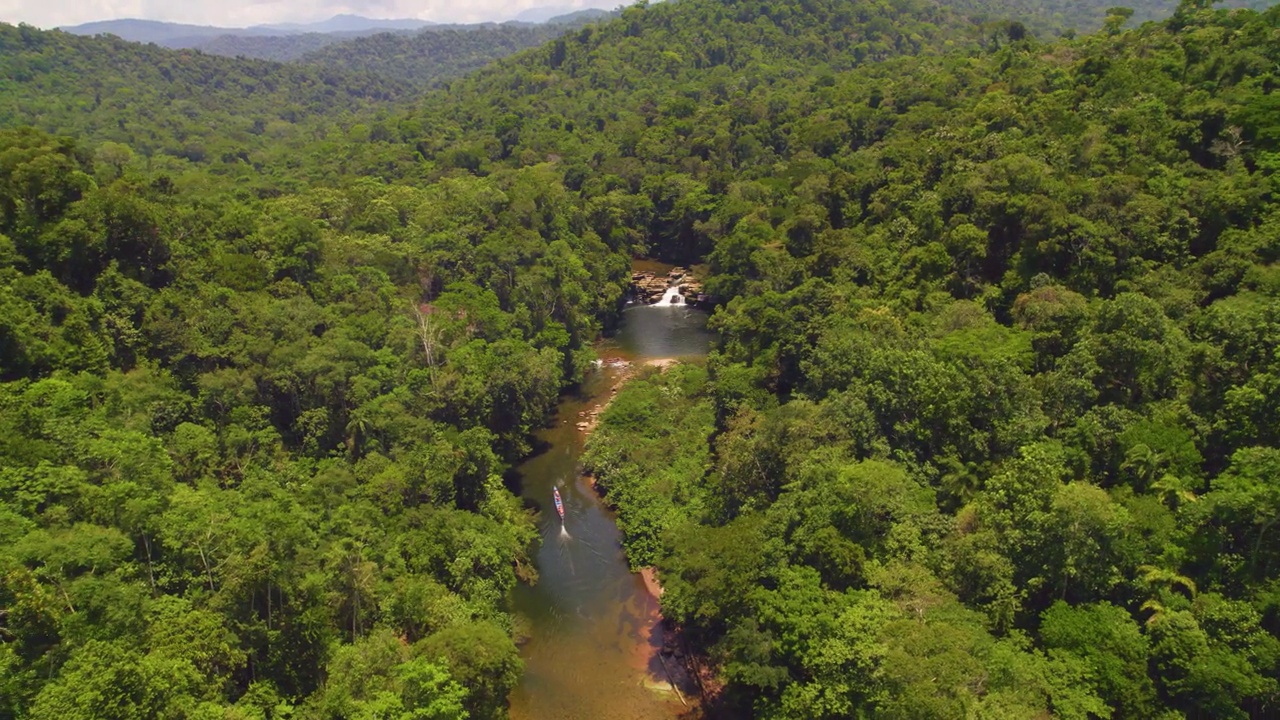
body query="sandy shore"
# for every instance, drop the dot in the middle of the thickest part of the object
(623, 370)
(651, 582)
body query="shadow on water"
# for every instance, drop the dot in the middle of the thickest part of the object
(592, 623)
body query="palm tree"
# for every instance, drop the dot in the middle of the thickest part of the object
(960, 480)
(1163, 583)
(1157, 610)
(358, 428)
(1146, 464)
(1173, 491)
(354, 579)
(1159, 577)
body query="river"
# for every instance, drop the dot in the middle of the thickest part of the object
(592, 625)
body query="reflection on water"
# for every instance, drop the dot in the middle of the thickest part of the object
(591, 650)
(653, 331)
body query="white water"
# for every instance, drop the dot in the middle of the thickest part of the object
(670, 297)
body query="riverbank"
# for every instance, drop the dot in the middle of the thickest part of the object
(622, 371)
(594, 637)
(595, 641)
(651, 583)
(661, 658)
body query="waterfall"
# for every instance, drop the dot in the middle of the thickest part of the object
(670, 297)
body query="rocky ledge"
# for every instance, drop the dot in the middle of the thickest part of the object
(649, 288)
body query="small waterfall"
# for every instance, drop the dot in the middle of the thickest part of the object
(671, 297)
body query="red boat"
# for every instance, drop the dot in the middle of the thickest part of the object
(559, 504)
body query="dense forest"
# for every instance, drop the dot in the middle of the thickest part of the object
(991, 429)
(245, 460)
(423, 58)
(280, 48)
(428, 57)
(1068, 17)
(181, 110)
(254, 433)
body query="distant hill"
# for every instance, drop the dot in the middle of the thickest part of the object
(161, 101)
(179, 35)
(541, 14)
(449, 51)
(281, 48)
(174, 35)
(432, 55)
(348, 24)
(579, 17)
(424, 58)
(560, 13)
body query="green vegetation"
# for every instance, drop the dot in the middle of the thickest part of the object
(1051, 18)
(242, 419)
(991, 429)
(252, 432)
(280, 48)
(430, 56)
(143, 95)
(423, 58)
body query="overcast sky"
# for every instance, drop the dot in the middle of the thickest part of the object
(241, 13)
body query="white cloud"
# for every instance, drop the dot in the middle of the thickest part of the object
(241, 13)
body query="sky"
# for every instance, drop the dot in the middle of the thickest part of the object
(243, 13)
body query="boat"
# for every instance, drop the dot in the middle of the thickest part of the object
(559, 504)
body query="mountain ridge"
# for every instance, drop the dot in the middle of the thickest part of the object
(442, 52)
(557, 13)
(183, 35)
(286, 42)
(348, 22)
(190, 35)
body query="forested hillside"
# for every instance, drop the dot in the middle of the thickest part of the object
(280, 48)
(430, 56)
(991, 430)
(1052, 18)
(252, 430)
(421, 58)
(172, 103)
(252, 449)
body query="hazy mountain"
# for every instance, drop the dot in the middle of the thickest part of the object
(179, 35)
(348, 23)
(581, 17)
(161, 33)
(542, 14)
(559, 14)
(422, 57)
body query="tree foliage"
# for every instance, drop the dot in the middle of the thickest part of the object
(995, 364)
(990, 429)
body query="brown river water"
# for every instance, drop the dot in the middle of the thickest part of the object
(593, 626)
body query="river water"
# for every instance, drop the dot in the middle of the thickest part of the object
(592, 624)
